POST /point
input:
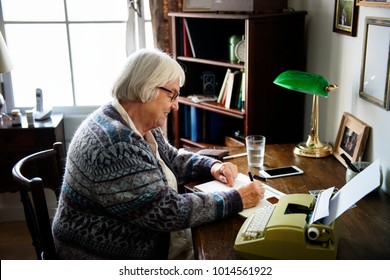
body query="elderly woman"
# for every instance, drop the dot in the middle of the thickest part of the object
(119, 198)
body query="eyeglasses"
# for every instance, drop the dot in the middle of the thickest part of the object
(174, 96)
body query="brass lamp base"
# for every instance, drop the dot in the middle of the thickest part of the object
(316, 151)
(313, 147)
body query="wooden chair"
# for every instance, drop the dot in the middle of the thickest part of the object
(33, 174)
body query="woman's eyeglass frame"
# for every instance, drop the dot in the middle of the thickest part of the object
(175, 95)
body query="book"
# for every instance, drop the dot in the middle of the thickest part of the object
(231, 87)
(186, 44)
(215, 128)
(223, 101)
(187, 121)
(228, 90)
(239, 99)
(223, 87)
(242, 92)
(205, 121)
(189, 38)
(214, 153)
(236, 90)
(196, 124)
(271, 195)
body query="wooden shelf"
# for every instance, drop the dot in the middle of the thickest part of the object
(275, 42)
(221, 63)
(213, 107)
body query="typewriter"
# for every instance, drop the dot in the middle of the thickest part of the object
(284, 231)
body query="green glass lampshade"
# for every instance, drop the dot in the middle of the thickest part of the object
(303, 82)
(318, 86)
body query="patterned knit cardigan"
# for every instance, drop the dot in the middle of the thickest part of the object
(115, 202)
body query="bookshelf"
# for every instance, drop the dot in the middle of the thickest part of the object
(274, 43)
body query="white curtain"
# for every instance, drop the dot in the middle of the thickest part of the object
(159, 32)
(131, 30)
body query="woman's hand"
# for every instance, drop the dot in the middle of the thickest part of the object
(251, 193)
(225, 172)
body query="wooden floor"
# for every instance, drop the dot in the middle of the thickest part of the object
(15, 241)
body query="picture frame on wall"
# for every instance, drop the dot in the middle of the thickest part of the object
(374, 3)
(345, 17)
(351, 138)
(375, 70)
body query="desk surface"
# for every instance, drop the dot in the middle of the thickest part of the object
(365, 229)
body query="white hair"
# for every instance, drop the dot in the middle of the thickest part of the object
(145, 71)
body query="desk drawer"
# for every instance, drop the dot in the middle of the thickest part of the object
(26, 138)
(16, 143)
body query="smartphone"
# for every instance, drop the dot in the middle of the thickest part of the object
(281, 172)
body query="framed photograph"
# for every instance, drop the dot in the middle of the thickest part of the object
(345, 17)
(375, 75)
(374, 3)
(196, 5)
(351, 138)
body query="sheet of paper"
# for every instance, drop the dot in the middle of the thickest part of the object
(361, 185)
(217, 186)
(321, 209)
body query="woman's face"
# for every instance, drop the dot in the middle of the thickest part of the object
(160, 106)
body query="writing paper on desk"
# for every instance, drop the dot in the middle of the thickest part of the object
(217, 186)
(360, 185)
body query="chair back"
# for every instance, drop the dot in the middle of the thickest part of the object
(34, 173)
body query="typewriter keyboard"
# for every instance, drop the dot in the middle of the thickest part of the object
(259, 220)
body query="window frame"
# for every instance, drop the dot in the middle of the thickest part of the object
(73, 109)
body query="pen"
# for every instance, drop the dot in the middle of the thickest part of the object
(250, 176)
(349, 163)
(261, 178)
(235, 156)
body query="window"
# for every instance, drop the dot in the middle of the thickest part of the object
(71, 49)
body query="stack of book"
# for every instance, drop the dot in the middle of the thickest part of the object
(232, 93)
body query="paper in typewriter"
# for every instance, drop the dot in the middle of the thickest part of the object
(328, 206)
(361, 185)
(217, 186)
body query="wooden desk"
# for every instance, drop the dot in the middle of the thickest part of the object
(365, 229)
(17, 142)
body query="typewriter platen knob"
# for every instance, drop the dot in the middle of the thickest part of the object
(313, 233)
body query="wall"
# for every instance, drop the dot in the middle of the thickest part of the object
(338, 58)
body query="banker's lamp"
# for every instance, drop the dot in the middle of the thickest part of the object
(318, 86)
(5, 66)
